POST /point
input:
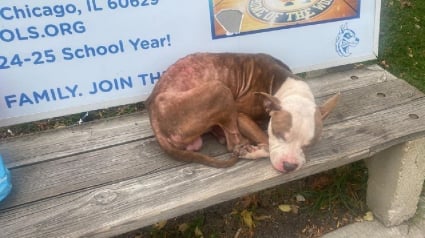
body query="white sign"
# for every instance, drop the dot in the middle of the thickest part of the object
(70, 56)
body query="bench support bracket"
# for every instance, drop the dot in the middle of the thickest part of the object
(396, 178)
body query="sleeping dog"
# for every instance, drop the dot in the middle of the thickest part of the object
(229, 93)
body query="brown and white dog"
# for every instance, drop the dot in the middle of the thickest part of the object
(228, 94)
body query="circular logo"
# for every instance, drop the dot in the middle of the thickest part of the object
(287, 11)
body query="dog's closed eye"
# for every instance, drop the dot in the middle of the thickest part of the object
(281, 123)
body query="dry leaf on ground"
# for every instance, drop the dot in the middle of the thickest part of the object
(368, 216)
(183, 227)
(247, 218)
(160, 225)
(285, 207)
(198, 232)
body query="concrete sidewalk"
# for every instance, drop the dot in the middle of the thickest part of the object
(414, 228)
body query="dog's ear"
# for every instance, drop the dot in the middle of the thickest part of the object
(329, 105)
(270, 103)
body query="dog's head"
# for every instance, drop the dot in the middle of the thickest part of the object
(292, 129)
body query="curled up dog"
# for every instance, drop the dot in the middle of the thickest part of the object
(227, 94)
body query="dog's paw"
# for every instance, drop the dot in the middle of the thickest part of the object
(251, 151)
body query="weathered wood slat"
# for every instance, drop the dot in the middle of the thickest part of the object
(164, 193)
(63, 142)
(95, 168)
(344, 80)
(376, 97)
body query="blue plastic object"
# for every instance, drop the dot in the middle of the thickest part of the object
(5, 183)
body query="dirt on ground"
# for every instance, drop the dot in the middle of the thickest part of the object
(308, 207)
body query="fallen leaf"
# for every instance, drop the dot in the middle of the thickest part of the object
(234, 212)
(300, 198)
(338, 224)
(198, 232)
(384, 63)
(262, 217)
(358, 66)
(410, 52)
(183, 227)
(247, 218)
(10, 132)
(238, 233)
(285, 207)
(368, 216)
(406, 3)
(160, 225)
(41, 125)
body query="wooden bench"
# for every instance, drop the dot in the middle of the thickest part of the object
(108, 177)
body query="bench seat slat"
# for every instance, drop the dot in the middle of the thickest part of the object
(53, 144)
(347, 78)
(361, 101)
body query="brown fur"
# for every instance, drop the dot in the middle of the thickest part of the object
(281, 122)
(205, 90)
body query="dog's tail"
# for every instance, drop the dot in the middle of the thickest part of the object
(192, 156)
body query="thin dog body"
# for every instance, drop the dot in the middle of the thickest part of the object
(229, 93)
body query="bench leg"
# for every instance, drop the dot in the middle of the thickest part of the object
(396, 176)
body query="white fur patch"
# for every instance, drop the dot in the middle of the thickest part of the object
(296, 98)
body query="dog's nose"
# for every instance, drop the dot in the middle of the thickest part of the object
(289, 166)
